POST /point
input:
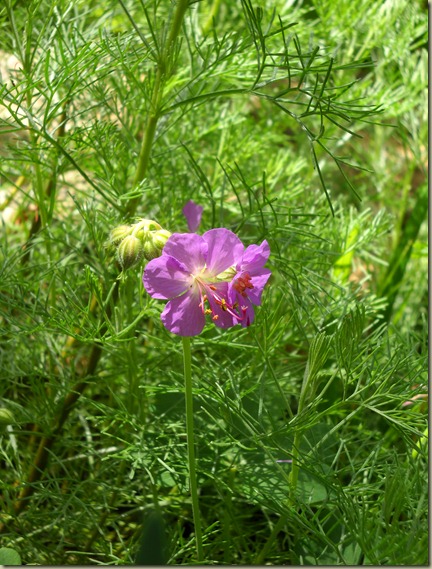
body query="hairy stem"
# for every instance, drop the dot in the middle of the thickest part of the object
(191, 447)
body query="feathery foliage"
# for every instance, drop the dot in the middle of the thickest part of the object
(301, 122)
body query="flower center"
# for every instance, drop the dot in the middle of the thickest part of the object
(227, 275)
(207, 288)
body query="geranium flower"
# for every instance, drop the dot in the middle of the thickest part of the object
(190, 274)
(249, 281)
(193, 213)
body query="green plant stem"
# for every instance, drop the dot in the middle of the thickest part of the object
(213, 13)
(297, 435)
(163, 71)
(261, 557)
(182, 6)
(42, 455)
(190, 446)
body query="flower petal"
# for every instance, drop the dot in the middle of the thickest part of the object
(224, 249)
(258, 282)
(254, 258)
(165, 277)
(183, 315)
(193, 213)
(249, 315)
(188, 248)
(246, 309)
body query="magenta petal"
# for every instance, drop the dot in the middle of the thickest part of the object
(248, 314)
(254, 258)
(164, 277)
(183, 315)
(224, 249)
(193, 213)
(188, 248)
(258, 283)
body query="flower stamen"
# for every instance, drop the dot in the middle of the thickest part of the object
(242, 283)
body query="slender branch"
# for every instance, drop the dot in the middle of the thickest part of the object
(162, 72)
(37, 218)
(261, 557)
(208, 24)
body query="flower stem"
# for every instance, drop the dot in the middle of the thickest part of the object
(262, 556)
(190, 446)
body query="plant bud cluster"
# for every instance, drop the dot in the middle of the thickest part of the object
(142, 240)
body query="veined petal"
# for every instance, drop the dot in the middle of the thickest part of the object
(258, 282)
(183, 315)
(188, 248)
(254, 258)
(165, 277)
(193, 213)
(224, 249)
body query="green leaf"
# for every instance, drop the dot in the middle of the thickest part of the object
(9, 556)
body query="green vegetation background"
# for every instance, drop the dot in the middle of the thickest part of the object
(303, 123)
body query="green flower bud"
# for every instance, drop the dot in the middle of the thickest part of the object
(155, 243)
(143, 226)
(119, 233)
(130, 251)
(161, 237)
(150, 250)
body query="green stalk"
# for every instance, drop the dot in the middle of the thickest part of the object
(297, 435)
(260, 559)
(213, 13)
(190, 446)
(162, 72)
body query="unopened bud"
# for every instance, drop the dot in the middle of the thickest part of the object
(119, 233)
(155, 243)
(130, 251)
(161, 237)
(143, 226)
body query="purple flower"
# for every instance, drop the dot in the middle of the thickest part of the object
(193, 213)
(211, 274)
(187, 275)
(249, 281)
